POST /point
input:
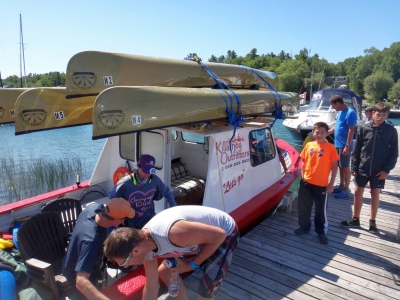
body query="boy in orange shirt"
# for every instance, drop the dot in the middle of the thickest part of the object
(319, 160)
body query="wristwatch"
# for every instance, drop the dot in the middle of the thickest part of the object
(193, 265)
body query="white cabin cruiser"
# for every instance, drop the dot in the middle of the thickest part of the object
(320, 110)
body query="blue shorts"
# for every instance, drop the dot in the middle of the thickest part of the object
(344, 160)
(374, 182)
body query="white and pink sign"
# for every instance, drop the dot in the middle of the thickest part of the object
(233, 161)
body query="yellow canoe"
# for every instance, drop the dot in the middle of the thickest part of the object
(8, 97)
(47, 108)
(121, 110)
(90, 72)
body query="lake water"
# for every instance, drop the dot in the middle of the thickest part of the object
(77, 142)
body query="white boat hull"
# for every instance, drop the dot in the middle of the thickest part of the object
(305, 121)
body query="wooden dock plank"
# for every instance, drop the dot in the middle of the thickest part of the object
(314, 253)
(321, 270)
(286, 275)
(384, 253)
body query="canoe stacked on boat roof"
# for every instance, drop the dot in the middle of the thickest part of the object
(47, 108)
(90, 72)
(8, 97)
(122, 110)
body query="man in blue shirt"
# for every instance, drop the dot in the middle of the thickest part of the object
(344, 131)
(81, 263)
(140, 189)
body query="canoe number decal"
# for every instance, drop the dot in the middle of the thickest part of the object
(108, 80)
(59, 115)
(1, 112)
(33, 117)
(111, 119)
(83, 80)
(230, 184)
(136, 120)
(12, 113)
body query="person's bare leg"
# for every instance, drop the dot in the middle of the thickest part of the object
(358, 201)
(342, 176)
(347, 177)
(165, 275)
(374, 202)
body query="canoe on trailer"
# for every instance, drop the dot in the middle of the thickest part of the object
(122, 110)
(90, 72)
(8, 97)
(46, 108)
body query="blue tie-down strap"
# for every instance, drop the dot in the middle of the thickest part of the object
(224, 86)
(267, 84)
(234, 118)
(278, 113)
(277, 106)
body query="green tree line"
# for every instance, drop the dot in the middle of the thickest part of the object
(50, 79)
(375, 75)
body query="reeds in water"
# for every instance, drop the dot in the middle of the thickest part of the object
(27, 177)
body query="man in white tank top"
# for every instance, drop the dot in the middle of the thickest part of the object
(197, 237)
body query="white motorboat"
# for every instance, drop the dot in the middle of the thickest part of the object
(320, 110)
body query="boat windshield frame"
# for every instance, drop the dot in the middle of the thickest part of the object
(320, 99)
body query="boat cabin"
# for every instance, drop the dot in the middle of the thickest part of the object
(203, 165)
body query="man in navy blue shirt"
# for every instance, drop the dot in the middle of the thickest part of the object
(140, 189)
(81, 263)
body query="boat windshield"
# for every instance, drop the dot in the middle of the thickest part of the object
(320, 100)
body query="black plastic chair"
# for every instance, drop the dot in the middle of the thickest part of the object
(68, 209)
(92, 193)
(42, 242)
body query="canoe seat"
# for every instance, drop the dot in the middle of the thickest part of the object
(42, 242)
(190, 188)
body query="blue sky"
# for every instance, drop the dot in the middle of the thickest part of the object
(55, 30)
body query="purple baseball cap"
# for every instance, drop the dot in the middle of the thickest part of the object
(147, 164)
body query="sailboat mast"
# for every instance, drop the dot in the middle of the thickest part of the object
(320, 81)
(312, 75)
(22, 51)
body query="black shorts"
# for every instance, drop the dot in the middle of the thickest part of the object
(374, 182)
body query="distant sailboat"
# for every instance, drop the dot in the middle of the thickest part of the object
(22, 52)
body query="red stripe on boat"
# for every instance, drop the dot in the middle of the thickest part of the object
(43, 197)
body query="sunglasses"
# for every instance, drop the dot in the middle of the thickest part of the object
(126, 261)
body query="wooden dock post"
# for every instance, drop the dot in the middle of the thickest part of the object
(288, 202)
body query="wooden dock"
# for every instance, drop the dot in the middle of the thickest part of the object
(271, 262)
